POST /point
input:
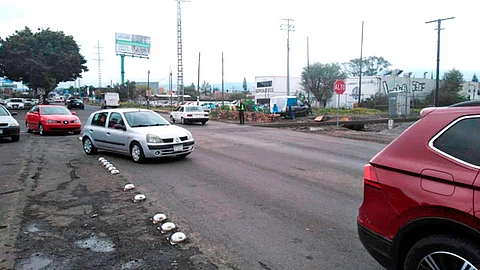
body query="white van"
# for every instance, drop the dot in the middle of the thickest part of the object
(110, 99)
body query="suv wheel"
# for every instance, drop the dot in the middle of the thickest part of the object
(443, 252)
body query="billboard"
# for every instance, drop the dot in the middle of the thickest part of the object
(132, 44)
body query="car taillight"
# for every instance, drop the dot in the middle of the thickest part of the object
(370, 177)
(189, 115)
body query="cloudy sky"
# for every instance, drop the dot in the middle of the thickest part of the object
(248, 33)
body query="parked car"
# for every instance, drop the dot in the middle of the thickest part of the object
(421, 204)
(189, 114)
(9, 127)
(15, 103)
(52, 118)
(75, 103)
(138, 133)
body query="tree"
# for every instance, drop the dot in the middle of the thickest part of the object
(238, 95)
(206, 88)
(190, 90)
(371, 66)
(42, 59)
(450, 86)
(127, 91)
(319, 79)
(474, 78)
(245, 84)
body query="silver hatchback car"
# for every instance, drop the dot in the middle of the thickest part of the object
(138, 133)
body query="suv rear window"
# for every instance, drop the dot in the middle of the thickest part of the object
(462, 141)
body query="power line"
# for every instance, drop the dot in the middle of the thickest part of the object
(437, 80)
(289, 27)
(99, 68)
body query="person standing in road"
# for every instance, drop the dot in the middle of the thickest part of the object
(241, 112)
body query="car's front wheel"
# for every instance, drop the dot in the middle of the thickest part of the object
(136, 152)
(443, 252)
(15, 138)
(41, 131)
(172, 120)
(88, 146)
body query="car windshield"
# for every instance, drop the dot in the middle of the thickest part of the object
(55, 111)
(3, 111)
(76, 101)
(194, 109)
(145, 119)
(16, 100)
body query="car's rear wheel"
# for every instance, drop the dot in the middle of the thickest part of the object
(136, 152)
(172, 120)
(88, 146)
(443, 252)
(41, 131)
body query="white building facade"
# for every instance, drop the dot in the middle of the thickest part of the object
(274, 86)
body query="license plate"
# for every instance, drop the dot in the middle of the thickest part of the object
(178, 147)
(1, 131)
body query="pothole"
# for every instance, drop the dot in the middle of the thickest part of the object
(96, 244)
(35, 262)
(33, 228)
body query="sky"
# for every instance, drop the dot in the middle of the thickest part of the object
(249, 35)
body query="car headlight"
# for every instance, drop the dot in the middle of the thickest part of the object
(153, 139)
(14, 124)
(76, 121)
(189, 136)
(51, 121)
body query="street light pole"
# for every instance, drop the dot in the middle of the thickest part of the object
(437, 80)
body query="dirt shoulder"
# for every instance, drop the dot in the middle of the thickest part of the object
(75, 215)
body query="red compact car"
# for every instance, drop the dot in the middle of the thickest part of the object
(421, 205)
(52, 118)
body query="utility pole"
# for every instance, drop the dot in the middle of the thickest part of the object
(148, 90)
(223, 84)
(170, 88)
(437, 80)
(308, 70)
(198, 77)
(361, 68)
(289, 27)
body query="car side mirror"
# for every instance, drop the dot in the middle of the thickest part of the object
(120, 126)
(74, 113)
(14, 113)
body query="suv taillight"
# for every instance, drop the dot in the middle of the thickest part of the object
(370, 177)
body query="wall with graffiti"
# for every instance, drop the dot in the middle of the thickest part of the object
(415, 87)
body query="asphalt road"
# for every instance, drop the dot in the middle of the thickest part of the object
(251, 197)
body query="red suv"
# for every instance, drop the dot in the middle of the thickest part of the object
(421, 205)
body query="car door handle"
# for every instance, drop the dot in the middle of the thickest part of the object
(91, 130)
(108, 133)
